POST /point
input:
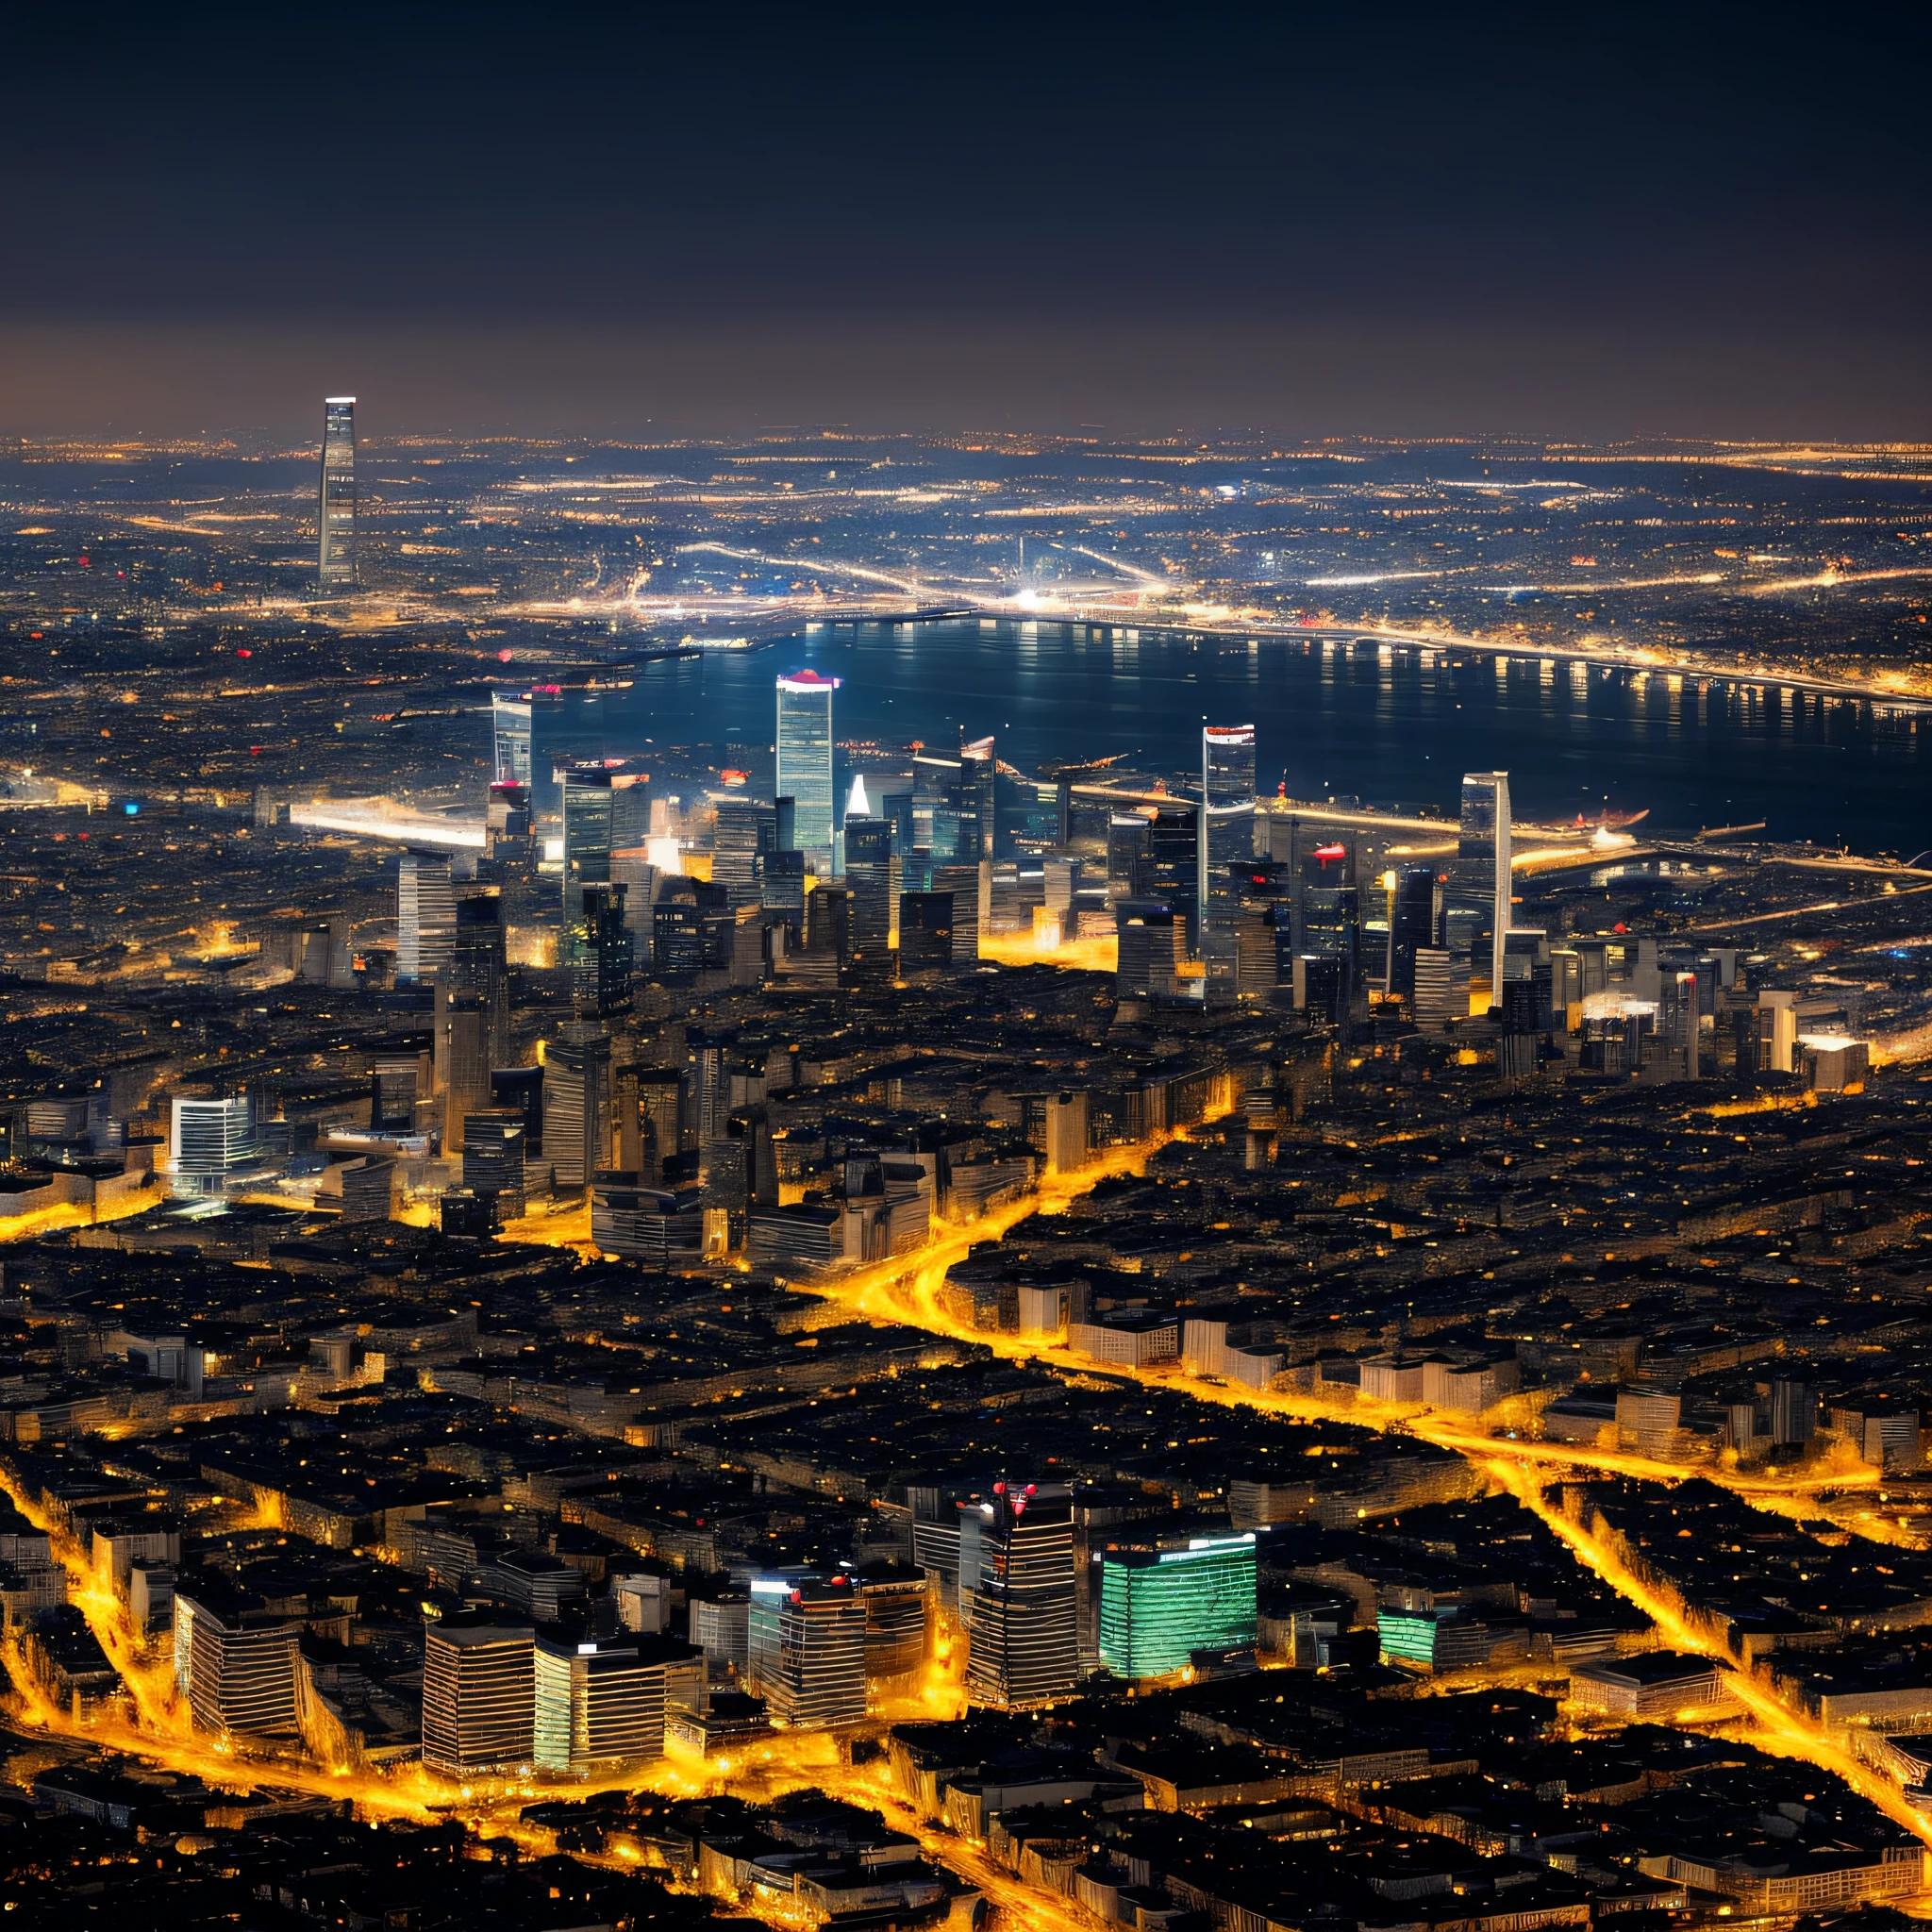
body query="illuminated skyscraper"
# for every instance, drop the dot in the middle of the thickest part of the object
(1477, 908)
(597, 952)
(1157, 1608)
(509, 720)
(1412, 923)
(979, 800)
(587, 831)
(869, 879)
(936, 788)
(1226, 829)
(805, 759)
(336, 567)
(1019, 1602)
(425, 917)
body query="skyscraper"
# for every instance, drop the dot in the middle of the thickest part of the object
(425, 917)
(1157, 1608)
(597, 953)
(509, 719)
(747, 833)
(577, 1102)
(477, 966)
(1020, 1602)
(805, 759)
(938, 782)
(1477, 908)
(336, 570)
(1225, 829)
(869, 879)
(587, 812)
(1412, 923)
(979, 778)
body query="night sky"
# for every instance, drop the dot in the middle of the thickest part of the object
(1589, 221)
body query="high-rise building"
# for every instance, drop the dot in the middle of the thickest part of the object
(576, 1103)
(587, 813)
(937, 786)
(209, 1140)
(597, 953)
(1158, 1606)
(979, 778)
(928, 923)
(335, 571)
(479, 966)
(493, 1146)
(519, 1090)
(1126, 855)
(869, 880)
(1151, 949)
(478, 1697)
(597, 1702)
(236, 1658)
(462, 1060)
(805, 1645)
(747, 833)
(1225, 832)
(1412, 923)
(1066, 1131)
(509, 720)
(805, 759)
(369, 1187)
(1171, 868)
(425, 917)
(1476, 907)
(1020, 1603)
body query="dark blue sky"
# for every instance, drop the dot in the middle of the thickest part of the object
(1582, 221)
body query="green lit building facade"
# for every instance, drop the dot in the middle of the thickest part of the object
(1158, 1606)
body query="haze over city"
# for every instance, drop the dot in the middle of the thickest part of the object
(965, 970)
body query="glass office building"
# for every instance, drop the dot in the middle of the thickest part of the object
(804, 759)
(1158, 1606)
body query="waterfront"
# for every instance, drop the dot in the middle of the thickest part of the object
(1392, 725)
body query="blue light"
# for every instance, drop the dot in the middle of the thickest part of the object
(132, 807)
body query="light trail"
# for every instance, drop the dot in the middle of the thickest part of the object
(1823, 906)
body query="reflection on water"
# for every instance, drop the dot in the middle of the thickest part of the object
(1387, 725)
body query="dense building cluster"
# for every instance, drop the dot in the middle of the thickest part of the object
(837, 1331)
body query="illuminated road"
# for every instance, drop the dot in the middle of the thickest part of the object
(154, 1723)
(1775, 1726)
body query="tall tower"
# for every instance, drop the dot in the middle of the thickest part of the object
(426, 916)
(1020, 1604)
(1478, 899)
(587, 822)
(1226, 829)
(805, 759)
(336, 570)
